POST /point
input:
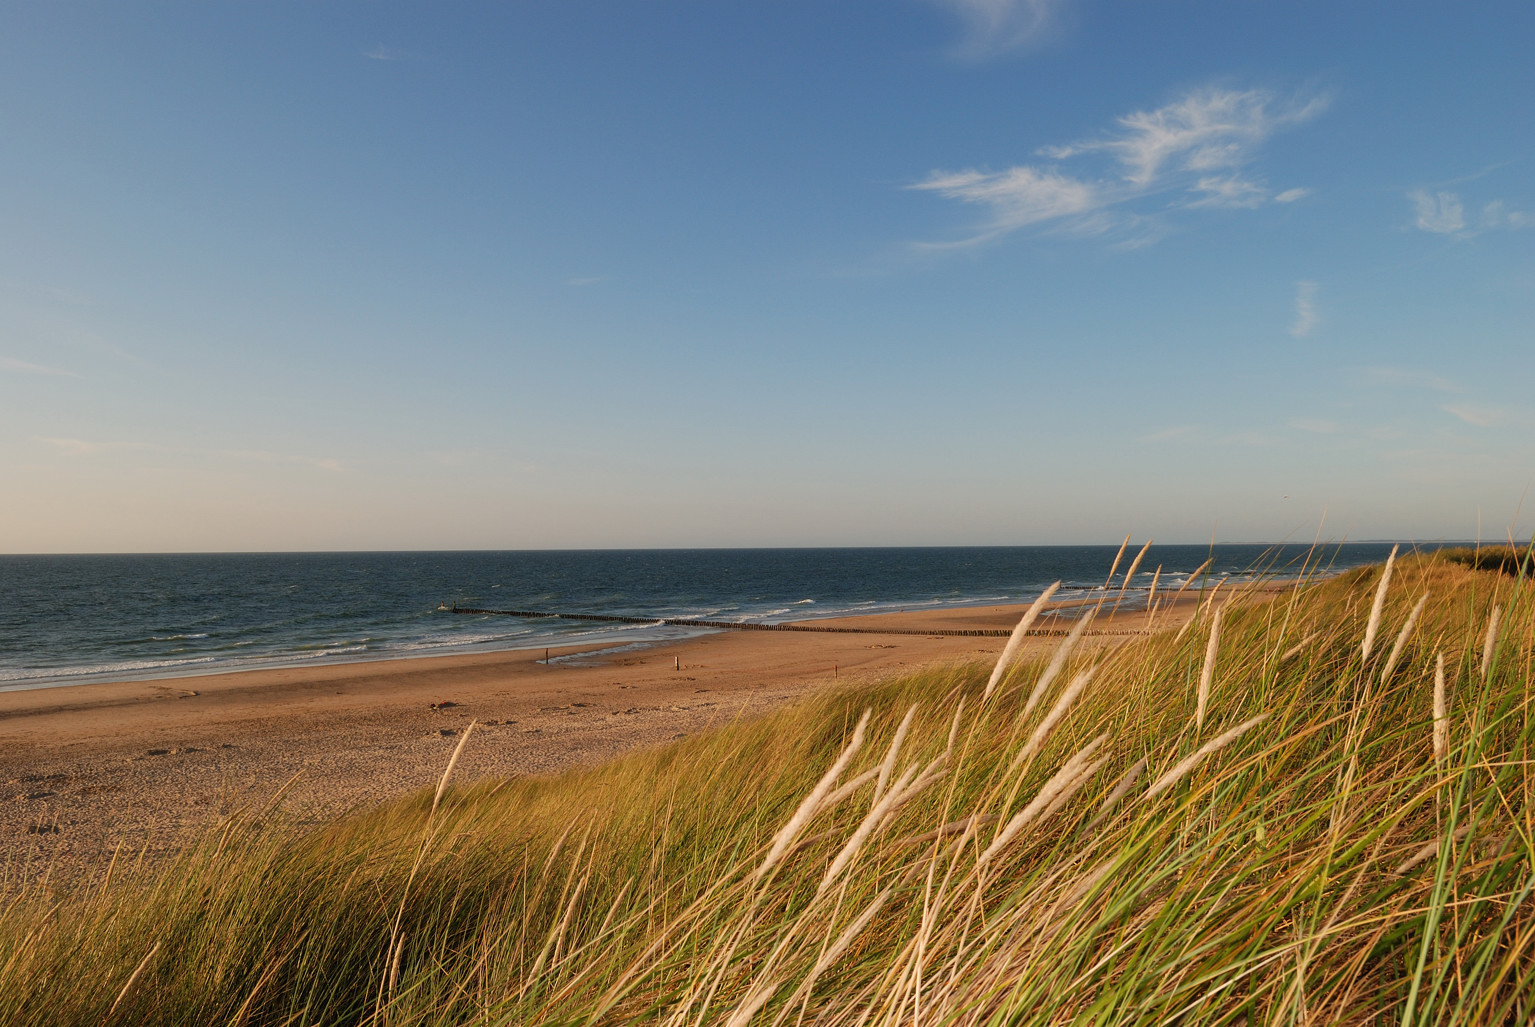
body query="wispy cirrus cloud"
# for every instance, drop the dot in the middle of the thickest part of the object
(1444, 213)
(1196, 149)
(25, 367)
(994, 27)
(1306, 315)
(1438, 212)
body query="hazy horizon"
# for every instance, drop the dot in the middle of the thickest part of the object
(388, 277)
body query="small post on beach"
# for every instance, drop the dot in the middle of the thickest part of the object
(546, 656)
(834, 670)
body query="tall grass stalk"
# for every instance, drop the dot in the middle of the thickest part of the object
(1015, 640)
(1207, 672)
(1373, 625)
(1340, 850)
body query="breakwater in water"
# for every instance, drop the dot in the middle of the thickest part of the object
(66, 619)
(733, 625)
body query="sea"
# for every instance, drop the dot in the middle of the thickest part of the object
(73, 619)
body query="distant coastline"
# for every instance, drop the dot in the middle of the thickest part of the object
(79, 619)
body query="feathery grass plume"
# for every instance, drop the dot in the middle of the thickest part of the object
(1188, 763)
(1380, 601)
(833, 953)
(1207, 673)
(1193, 577)
(1135, 565)
(1084, 775)
(1441, 712)
(1062, 652)
(850, 934)
(952, 827)
(128, 986)
(751, 1004)
(899, 795)
(1151, 593)
(1401, 639)
(812, 802)
(1117, 557)
(888, 765)
(394, 964)
(1209, 601)
(1119, 791)
(836, 797)
(458, 750)
(1429, 851)
(959, 715)
(1112, 569)
(1041, 733)
(1015, 641)
(1298, 648)
(1072, 775)
(1491, 640)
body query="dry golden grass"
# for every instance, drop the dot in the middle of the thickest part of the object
(1333, 832)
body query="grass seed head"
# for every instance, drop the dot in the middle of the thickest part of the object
(1207, 673)
(1441, 712)
(1015, 641)
(1062, 653)
(1491, 641)
(1380, 602)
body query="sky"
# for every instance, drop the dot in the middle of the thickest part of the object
(580, 274)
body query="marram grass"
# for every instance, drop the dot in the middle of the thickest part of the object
(1345, 838)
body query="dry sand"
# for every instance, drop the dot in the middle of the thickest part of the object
(84, 768)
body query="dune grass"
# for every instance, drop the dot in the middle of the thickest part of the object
(1279, 826)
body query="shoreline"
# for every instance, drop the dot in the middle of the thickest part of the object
(145, 764)
(699, 629)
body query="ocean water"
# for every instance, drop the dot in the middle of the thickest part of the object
(68, 619)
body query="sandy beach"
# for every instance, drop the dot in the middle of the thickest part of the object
(85, 769)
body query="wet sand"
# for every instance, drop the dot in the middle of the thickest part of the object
(143, 764)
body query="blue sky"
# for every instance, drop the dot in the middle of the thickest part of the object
(909, 272)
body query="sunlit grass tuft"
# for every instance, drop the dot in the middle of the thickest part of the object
(1262, 819)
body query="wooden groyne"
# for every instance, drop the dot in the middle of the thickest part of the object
(732, 625)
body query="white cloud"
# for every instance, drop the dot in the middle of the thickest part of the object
(23, 367)
(1440, 212)
(386, 53)
(1291, 195)
(993, 27)
(1019, 196)
(1206, 130)
(1497, 215)
(1306, 316)
(1197, 147)
(1231, 191)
